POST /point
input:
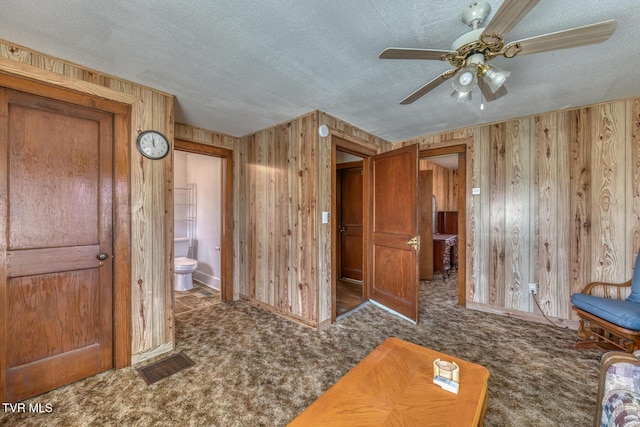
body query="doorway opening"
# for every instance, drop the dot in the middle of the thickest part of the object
(443, 215)
(349, 222)
(203, 215)
(349, 230)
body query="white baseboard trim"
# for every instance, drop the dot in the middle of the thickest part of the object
(207, 279)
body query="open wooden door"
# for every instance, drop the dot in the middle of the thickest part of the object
(394, 231)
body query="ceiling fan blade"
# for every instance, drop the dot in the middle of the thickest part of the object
(402, 53)
(428, 87)
(488, 95)
(508, 15)
(579, 36)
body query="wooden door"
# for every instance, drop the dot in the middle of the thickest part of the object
(394, 223)
(56, 220)
(350, 223)
(425, 212)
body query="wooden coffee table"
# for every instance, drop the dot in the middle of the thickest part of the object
(394, 385)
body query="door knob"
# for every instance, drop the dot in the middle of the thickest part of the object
(102, 256)
(414, 242)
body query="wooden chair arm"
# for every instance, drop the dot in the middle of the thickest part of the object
(587, 289)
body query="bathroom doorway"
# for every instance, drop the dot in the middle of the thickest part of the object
(203, 206)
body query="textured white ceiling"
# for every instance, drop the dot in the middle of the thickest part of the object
(237, 66)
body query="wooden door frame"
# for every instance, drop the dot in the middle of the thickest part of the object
(226, 250)
(122, 345)
(460, 149)
(352, 146)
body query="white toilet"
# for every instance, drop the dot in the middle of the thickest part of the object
(183, 267)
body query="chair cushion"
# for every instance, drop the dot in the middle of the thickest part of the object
(623, 313)
(635, 282)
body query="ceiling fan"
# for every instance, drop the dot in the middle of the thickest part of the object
(471, 52)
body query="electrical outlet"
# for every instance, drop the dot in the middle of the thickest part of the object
(533, 288)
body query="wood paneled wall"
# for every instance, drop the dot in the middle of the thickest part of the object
(284, 176)
(278, 171)
(151, 207)
(206, 137)
(559, 205)
(445, 185)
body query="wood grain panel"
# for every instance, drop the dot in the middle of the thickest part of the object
(73, 365)
(545, 135)
(517, 215)
(633, 134)
(609, 250)
(204, 136)
(280, 185)
(33, 221)
(496, 249)
(20, 263)
(562, 286)
(580, 200)
(41, 334)
(480, 219)
(445, 185)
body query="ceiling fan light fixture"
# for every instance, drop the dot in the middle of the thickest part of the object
(494, 77)
(461, 96)
(465, 79)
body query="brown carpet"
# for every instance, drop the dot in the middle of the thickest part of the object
(256, 369)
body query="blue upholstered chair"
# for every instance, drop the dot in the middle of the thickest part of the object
(610, 322)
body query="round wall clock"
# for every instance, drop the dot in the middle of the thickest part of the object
(152, 144)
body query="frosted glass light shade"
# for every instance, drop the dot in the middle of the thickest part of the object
(495, 77)
(461, 96)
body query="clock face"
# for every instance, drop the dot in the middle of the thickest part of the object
(152, 144)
